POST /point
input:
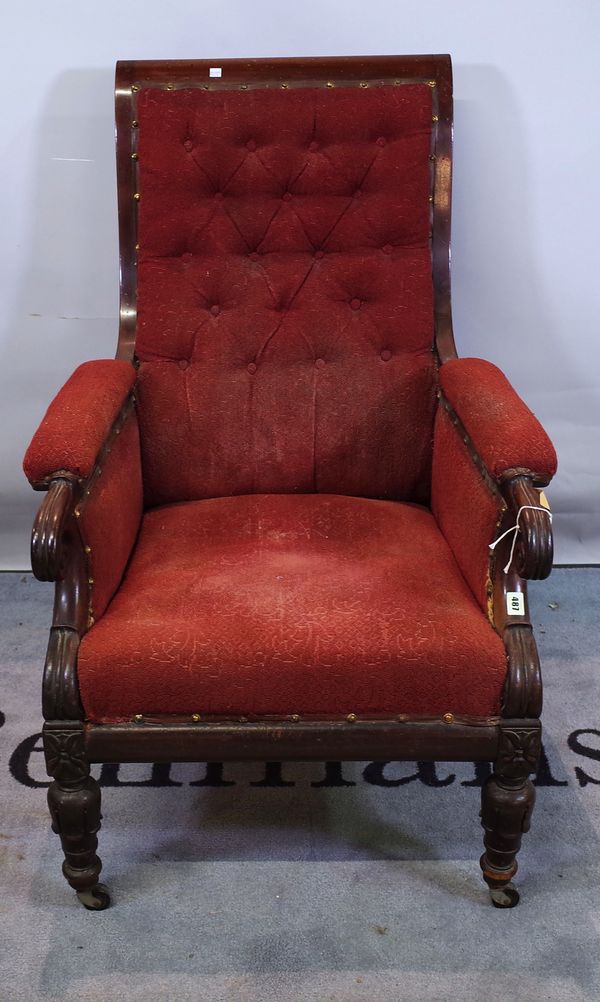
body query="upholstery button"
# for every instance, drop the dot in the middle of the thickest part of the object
(381, 141)
(357, 193)
(385, 355)
(319, 362)
(313, 146)
(188, 145)
(254, 256)
(319, 254)
(219, 196)
(287, 196)
(183, 363)
(355, 304)
(251, 145)
(387, 248)
(187, 256)
(215, 310)
(251, 367)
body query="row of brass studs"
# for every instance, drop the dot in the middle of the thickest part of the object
(364, 84)
(432, 158)
(135, 157)
(88, 553)
(97, 472)
(294, 718)
(137, 196)
(466, 439)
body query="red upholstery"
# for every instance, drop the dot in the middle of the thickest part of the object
(78, 420)
(503, 429)
(287, 386)
(291, 604)
(284, 291)
(467, 509)
(110, 515)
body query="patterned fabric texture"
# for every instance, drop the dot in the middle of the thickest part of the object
(290, 523)
(504, 431)
(78, 420)
(292, 604)
(284, 292)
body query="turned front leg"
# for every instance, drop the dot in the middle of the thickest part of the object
(75, 812)
(74, 802)
(507, 801)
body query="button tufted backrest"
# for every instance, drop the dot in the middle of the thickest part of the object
(285, 299)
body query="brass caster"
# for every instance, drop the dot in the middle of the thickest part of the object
(504, 897)
(95, 899)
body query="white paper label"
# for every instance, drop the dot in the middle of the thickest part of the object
(515, 603)
(214, 71)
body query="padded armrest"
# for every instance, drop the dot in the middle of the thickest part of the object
(505, 433)
(78, 421)
(510, 446)
(91, 418)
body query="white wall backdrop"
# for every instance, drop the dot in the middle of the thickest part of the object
(525, 224)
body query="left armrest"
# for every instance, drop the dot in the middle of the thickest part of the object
(506, 434)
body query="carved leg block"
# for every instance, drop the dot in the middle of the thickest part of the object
(74, 801)
(507, 801)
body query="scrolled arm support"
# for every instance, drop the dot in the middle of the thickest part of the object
(57, 555)
(48, 548)
(534, 550)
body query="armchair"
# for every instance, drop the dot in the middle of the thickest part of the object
(270, 519)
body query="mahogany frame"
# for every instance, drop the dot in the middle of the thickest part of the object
(511, 741)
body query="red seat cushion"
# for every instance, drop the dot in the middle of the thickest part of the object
(292, 604)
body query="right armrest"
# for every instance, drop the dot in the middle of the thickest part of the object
(78, 421)
(88, 523)
(473, 508)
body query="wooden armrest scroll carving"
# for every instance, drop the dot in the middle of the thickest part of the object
(57, 555)
(47, 541)
(534, 549)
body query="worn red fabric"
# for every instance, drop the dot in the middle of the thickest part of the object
(503, 429)
(467, 508)
(110, 515)
(291, 604)
(78, 420)
(284, 291)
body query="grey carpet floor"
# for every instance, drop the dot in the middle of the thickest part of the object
(247, 885)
